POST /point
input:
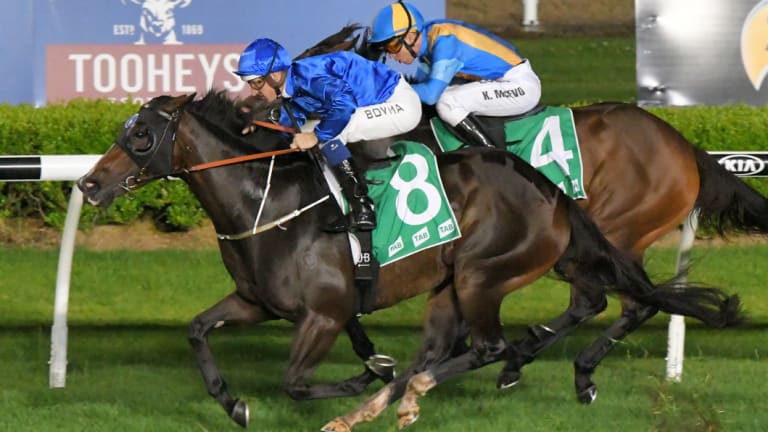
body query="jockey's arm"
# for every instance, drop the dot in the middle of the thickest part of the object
(445, 62)
(339, 101)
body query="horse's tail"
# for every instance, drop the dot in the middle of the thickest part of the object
(592, 262)
(725, 202)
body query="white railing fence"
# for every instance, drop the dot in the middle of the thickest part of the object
(72, 167)
(56, 168)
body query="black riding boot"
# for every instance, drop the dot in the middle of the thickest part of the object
(472, 134)
(355, 190)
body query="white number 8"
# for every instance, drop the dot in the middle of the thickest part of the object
(404, 189)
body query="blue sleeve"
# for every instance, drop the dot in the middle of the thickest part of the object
(339, 101)
(299, 115)
(445, 63)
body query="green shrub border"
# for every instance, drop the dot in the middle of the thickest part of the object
(90, 126)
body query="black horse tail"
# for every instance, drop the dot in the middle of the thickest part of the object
(725, 202)
(590, 261)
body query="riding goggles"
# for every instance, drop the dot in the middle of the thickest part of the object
(395, 45)
(257, 83)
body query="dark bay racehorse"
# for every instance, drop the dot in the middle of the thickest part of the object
(641, 177)
(515, 226)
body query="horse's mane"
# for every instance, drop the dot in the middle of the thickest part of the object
(220, 114)
(345, 39)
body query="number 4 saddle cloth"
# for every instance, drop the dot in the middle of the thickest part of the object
(546, 139)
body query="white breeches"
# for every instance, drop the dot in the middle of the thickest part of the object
(398, 114)
(518, 91)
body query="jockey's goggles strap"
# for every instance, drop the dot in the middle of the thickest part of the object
(408, 46)
(272, 62)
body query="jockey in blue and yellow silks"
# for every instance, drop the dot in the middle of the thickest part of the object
(495, 80)
(356, 100)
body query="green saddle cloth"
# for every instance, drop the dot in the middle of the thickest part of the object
(412, 210)
(547, 140)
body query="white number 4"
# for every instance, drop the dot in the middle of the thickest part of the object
(558, 154)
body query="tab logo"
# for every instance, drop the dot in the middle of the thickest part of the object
(420, 237)
(396, 247)
(742, 164)
(446, 228)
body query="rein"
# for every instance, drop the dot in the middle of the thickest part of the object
(240, 159)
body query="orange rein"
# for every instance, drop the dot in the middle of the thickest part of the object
(239, 159)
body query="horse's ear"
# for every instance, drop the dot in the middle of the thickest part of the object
(179, 102)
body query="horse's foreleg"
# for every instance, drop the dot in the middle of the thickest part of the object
(315, 336)
(376, 365)
(522, 351)
(232, 309)
(632, 316)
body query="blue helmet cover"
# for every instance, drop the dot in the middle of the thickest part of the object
(262, 57)
(393, 20)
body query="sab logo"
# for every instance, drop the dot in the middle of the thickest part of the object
(742, 164)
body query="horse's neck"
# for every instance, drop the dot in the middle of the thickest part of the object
(232, 195)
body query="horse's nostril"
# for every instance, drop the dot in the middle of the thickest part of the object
(87, 186)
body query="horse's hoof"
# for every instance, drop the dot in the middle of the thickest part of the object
(588, 395)
(406, 420)
(240, 413)
(383, 366)
(336, 425)
(508, 379)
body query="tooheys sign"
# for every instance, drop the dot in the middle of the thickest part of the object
(158, 50)
(745, 164)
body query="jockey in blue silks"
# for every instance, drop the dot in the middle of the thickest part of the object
(463, 69)
(355, 99)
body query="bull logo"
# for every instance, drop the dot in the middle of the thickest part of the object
(158, 22)
(754, 44)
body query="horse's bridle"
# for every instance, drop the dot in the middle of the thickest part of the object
(148, 161)
(158, 158)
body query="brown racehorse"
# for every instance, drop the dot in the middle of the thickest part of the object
(642, 177)
(515, 227)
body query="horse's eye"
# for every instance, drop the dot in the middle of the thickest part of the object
(141, 134)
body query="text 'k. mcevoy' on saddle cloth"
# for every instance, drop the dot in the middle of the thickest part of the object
(547, 140)
(412, 209)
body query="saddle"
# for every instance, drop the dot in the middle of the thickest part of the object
(493, 127)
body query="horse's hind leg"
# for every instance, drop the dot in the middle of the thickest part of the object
(585, 304)
(632, 316)
(232, 309)
(488, 346)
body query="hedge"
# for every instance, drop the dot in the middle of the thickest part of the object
(89, 127)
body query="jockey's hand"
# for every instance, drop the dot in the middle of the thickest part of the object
(304, 141)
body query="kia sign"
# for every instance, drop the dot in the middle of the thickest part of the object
(743, 164)
(708, 52)
(118, 49)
